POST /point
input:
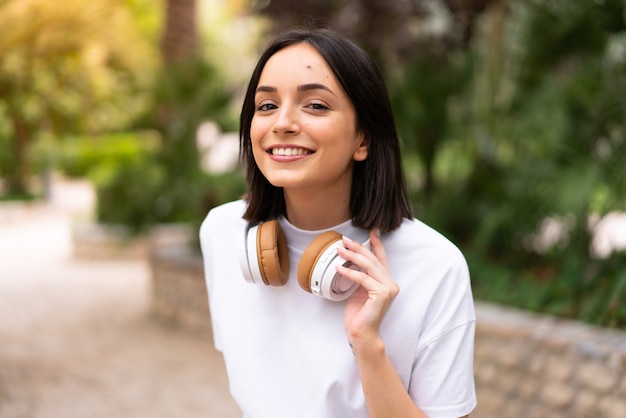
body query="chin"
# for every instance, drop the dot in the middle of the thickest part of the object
(285, 184)
(286, 180)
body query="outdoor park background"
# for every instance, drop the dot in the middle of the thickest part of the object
(511, 114)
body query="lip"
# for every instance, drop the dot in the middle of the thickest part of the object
(288, 152)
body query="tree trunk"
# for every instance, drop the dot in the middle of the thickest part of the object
(180, 37)
(17, 177)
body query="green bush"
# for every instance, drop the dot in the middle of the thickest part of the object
(134, 192)
(545, 141)
(128, 192)
(589, 290)
(80, 156)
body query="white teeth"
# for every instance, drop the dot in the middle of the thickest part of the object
(289, 151)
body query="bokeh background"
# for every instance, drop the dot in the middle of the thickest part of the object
(512, 117)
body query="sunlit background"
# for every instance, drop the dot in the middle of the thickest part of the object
(119, 119)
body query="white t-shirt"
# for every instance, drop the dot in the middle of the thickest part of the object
(286, 351)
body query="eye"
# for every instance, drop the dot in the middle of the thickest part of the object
(317, 106)
(265, 106)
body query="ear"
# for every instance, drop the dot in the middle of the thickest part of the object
(363, 146)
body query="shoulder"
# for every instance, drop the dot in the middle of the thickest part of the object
(226, 211)
(414, 238)
(223, 219)
(434, 280)
(426, 264)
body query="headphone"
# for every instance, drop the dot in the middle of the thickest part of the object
(265, 260)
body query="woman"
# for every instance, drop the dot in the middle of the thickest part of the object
(321, 153)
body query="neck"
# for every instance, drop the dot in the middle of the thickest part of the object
(312, 211)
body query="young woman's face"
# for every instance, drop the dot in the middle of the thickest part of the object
(304, 127)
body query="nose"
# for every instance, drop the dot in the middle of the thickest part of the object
(285, 122)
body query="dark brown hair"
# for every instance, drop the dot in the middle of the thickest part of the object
(378, 198)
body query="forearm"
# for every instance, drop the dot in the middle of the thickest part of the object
(385, 395)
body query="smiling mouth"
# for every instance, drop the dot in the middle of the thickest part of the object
(288, 152)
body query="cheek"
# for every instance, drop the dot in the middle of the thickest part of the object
(257, 133)
(254, 131)
(255, 140)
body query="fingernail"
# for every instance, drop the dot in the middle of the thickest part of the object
(346, 239)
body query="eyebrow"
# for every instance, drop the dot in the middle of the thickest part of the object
(302, 87)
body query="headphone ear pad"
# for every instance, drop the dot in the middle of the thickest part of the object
(272, 253)
(311, 256)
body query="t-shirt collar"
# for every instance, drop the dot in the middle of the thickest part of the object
(299, 239)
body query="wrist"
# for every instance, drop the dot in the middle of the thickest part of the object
(367, 346)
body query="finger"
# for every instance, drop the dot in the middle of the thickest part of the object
(364, 259)
(358, 248)
(377, 247)
(359, 277)
(372, 274)
(375, 259)
(388, 289)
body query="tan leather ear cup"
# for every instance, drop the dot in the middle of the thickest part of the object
(312, 254)
(273, 254)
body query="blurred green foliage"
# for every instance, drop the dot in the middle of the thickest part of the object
(56, 82)
(83, 156)
(128, 187)
(96, 101)
(509, 120)
(123, 168)
(538, 132)
(185, 95)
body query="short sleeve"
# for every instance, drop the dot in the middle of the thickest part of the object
(208, 253)
(443, 377)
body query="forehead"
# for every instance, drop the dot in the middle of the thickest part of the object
(297, 61)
